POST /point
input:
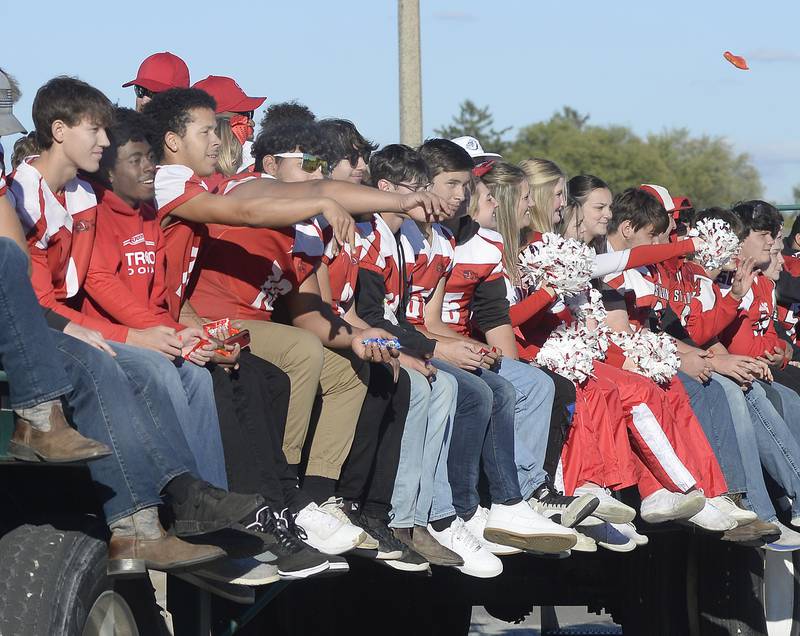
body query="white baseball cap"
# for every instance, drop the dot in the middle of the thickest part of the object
(8, 123)
(473, 147)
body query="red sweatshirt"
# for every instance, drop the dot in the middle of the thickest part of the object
(125, 283)
(60, 230)
(752, 332)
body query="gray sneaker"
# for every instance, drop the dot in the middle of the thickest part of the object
(239, 572)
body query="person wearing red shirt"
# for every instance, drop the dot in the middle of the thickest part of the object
(244, 273)
(55, 207)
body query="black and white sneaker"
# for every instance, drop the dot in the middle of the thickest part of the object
(294, 559)
(388, 546)
(548, 501)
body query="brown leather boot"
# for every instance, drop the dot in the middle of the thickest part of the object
(61, 444)
(754, 534)
(422, 542)
(131, 556)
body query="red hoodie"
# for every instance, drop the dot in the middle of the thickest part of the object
(125, 283)
(60, 228)
(753, 332)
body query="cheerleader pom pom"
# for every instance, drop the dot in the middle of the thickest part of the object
(564, 264)
(654, 354)
(570, 351)
(721, 244)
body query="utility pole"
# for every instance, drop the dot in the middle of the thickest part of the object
(410, 72)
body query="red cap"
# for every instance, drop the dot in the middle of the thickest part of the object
(160, 72)
(682, 203)
(228, 94)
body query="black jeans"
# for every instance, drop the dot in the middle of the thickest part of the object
(369, 472)
(252, 403)
(560, 421)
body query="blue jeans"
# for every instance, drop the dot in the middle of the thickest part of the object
(790, 403)
(710, 405)
(534, 402)
(423, 451)
(26, 346)
(483, 428)
(191, 391)
(137, 423)
(764, 440)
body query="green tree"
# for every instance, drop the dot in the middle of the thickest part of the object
(705, 168)
(796, 193)
(476, 122)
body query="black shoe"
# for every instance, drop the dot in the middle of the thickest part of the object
(293, 558)
(548, 501)
(389, 547)
(208, 509)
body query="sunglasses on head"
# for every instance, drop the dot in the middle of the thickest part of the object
(142, 92)
(310, 164)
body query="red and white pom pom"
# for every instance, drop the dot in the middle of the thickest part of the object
(721, 244)
(570, 351)
(654, 354)
(588, 308)
(564, 264)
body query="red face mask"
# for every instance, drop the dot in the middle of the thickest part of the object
(241, 128)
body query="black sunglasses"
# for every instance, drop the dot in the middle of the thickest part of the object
(142, 92)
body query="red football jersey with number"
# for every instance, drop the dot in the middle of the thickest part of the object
(478, 260)
(427, 261)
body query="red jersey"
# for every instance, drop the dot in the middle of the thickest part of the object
(244, 271)
(342, 267)
(477, 260)
(380, 255)
(427, 261)
(175, 185)
(60, 230)
(126, 279)
(752, 332)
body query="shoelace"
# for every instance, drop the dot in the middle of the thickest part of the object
(462, 534)
(268, 523)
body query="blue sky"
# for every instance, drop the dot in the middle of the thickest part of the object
(650, 65)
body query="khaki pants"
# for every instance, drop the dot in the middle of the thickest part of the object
(337, 377)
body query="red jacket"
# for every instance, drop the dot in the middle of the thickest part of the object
(60, 230)
(125, 283)
(753, 332)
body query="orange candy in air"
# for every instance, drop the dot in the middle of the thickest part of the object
(738, 61)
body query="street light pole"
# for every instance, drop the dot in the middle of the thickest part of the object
(410, 72)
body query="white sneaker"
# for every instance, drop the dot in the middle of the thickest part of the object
(663, 505)
(327, 533)
(610, 509)
(713, 519)
(478, 561)
(519, 526)
(335, 506)
(239, 572)
(789, 540)
(725, 504)
(584, 544)
(629, 530)
(477, 524)
(608, 537)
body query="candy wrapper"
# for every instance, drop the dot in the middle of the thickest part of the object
(654, 354)
(215, 329)
(387, 343)
(564, 264)
(721, 243)
(570, 351)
